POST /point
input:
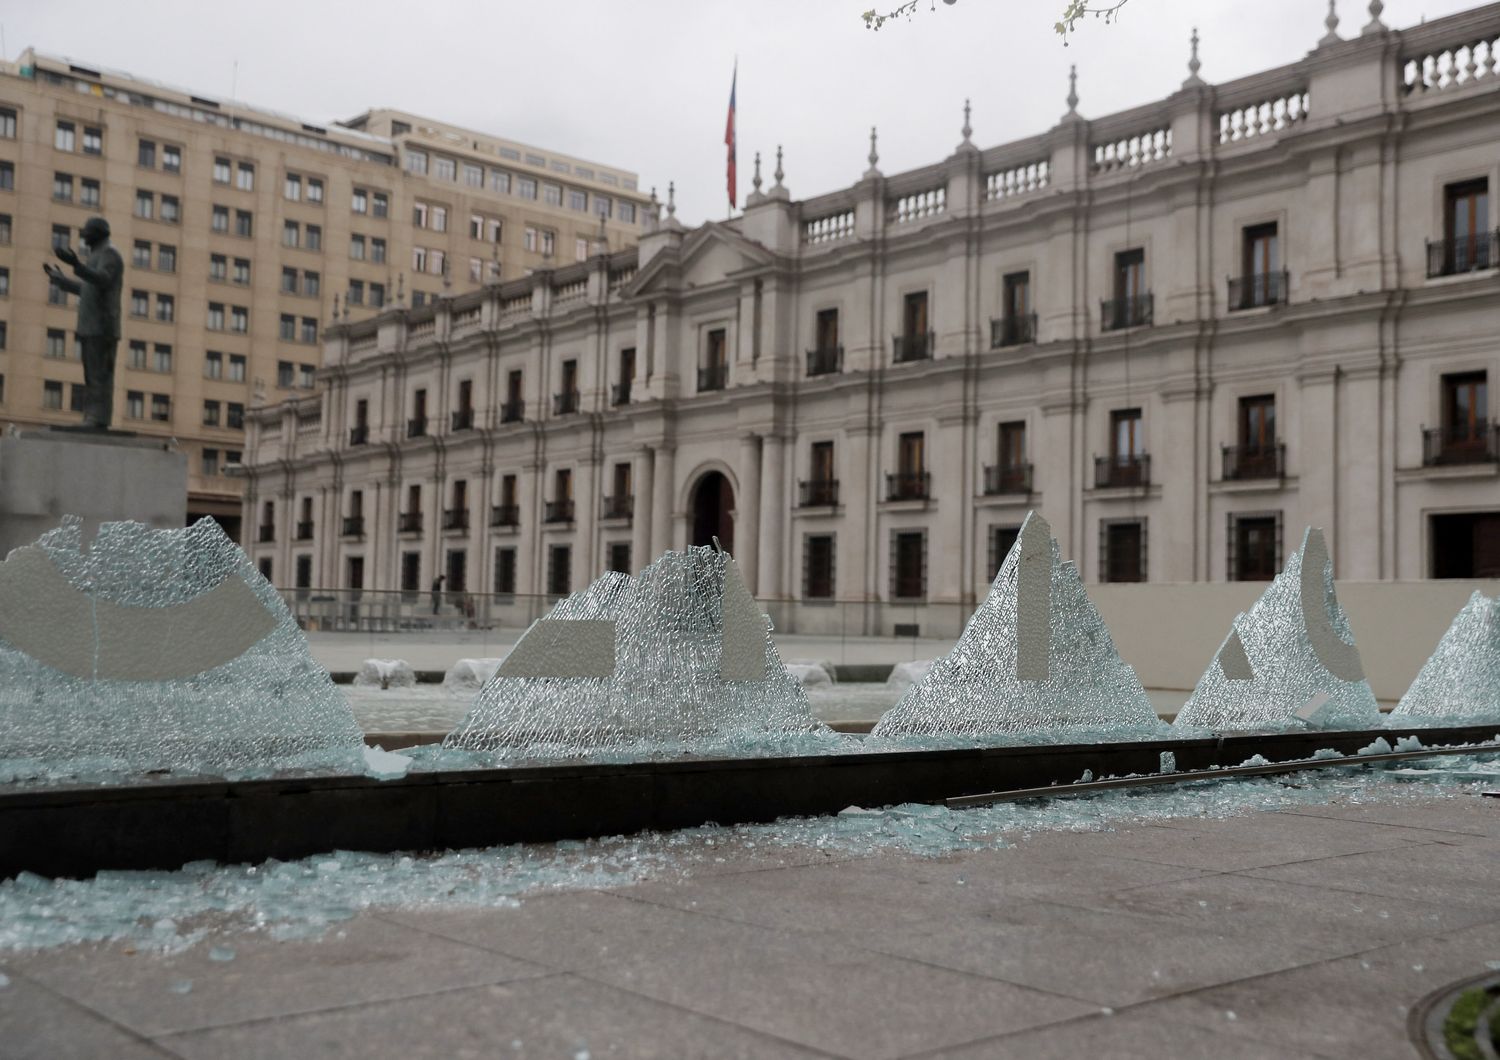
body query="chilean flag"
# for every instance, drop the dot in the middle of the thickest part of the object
(729, 134)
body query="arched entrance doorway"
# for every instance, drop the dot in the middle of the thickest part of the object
(712, 511)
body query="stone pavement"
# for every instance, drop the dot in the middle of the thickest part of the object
(1307, 932)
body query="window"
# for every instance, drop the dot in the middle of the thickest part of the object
(312, 284)
(244, 178)
(500, 181)
(161, 357)
(505, 570)
(244, 223)
(419, 213)
(377, 295)
(617, 557)
(473, 175)
(314, 190)
(476, 269)
(1122, 550)
(288, 280)
(908, 564)
(476, 226)
(7, 176)
(1016, 323)
(5, 227)
(552, 194)
(135, 405)
(306, 375)
(288, 333)
(57, 343)
(440, 219)
(62, 187)
(314, 237)
(171, 159)
(138, 354)
(1131, 306)
(357, 248)
(1465, 217)
(309, 329)
(1130, 273)
(411, 572)
(1127, 440)
(359, 202)
(284, 369)
(377, 251)
(171, 210)
(380, 204)
(1011, 473)
(418, 260)
(1254, 546)
(530, 240)
(221, 171)
(161, 407)
(911, 453)
(145, 154)
(209, 462)
(220, 219)
(166, 308)
(215, 316)
(291, 187)
(140, 303)
(61, 236)
(826, 330)
(213, 365)
(236, 367)
(52, 395)
(291, 234)
(577, 200)
(303, 577)
(1465, 429)
(580, 249)
(526, 187)
(166, 258)
(4, 334)
(4, 282)
(235, 416)
(559, 570)
(1260, 270)
(140, 254)
(817, 567)
(356, 294)
(492, 229)
(239, 319)
(627, 213)
(7, 123)
(55, 294)
(145, 205)
(602, 205)
(416, 161)
(444, 168)
(242, 271)
(549, 241)
(1002, 539)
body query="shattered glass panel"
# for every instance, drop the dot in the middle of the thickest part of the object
(1290, 661)
(1460, 683)
(670, 660)
(156, 649)
(1035, 661)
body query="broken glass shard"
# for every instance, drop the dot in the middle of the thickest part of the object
(1460, 683)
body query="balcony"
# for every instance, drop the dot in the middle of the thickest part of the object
(359, 435)
(1243, 462)
(1006, 478)
(1258, 289)
(409, 523)
(267, 533)
(354, 526)
(713, 377)
(825, 361)
(1012, 331)
(513, 412)
(455, 518)
(305, 530)
(908, 348)
(1133, 312)
(619, 394)
(416, 428)
(463, 420)
(621, 506)
(1122, 472)
(818, 493)
(558, 512)
(505, 515)
(908, 486)
(1464, 443)
(566, 403)
(1453, 257)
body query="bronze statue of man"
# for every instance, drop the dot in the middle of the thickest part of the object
(98, 290)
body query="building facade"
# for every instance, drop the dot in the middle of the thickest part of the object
(1182, 333)
(242, 231)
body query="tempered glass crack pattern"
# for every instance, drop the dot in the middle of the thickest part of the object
(1290, 661)
(678, 658)
(1460, 682)
(156, 649)
(1034, 660)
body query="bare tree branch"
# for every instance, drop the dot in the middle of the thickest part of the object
(1074, 13)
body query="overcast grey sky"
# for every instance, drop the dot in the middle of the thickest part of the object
(645, 84)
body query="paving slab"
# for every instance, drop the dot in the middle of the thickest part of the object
(38, 1024)
(1453, 872)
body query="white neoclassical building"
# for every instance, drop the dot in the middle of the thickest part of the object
(1182, 332)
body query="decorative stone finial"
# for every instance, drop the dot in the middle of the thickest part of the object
(755, 180)
(1332, 22)
(1073, 89)
(1193, 64)
(967, 130)
(1375, 25)
(671, 198)
(874, 156)
(779, 175)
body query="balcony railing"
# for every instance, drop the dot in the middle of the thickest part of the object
(1007, 478)
(513, 412)
(1012, 331)
(827, 361)
(1258, 289)
(359, 435)
(354, 526)
(267, 533)
(1132, 312)
(1451, 257)
(818, 493)
(417, 427)
(713, 377)
(1254, 461)
(463, 420)
(907, 348)
(455, 518)
(305, 530)
(619, 394)
(908, 486)
(620, 506)
(505, 515)
(565, 404)
(409, 522)
(1123, 471)
(558, 512)
(1477, 443)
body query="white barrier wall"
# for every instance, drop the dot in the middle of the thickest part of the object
(1169, 632)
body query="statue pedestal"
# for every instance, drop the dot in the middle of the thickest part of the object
(101, 476)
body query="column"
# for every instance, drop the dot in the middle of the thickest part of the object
(644, 503)
(661, 502)
(747, 512)
(771, 583)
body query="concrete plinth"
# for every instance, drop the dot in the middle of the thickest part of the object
(101, 476)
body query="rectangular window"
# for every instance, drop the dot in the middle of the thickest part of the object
(580, 249)
(242, 271)
(476, 270)
(911, 458)
(291, 187)
(166, 308)
(220, 219)
(312, 284)
(1257, 423)
(309, 329)
(529, 242)
(135, 405)
(75, 397)
(221, 171)
(244, 223)
(314, 190)
(88, 192)
(306, 375)
(1002, 538)
(314, 237)
(1122, 550)
(57, 343)
(552, 194)
(140, 254)
(62, 187)
(213, 365)
(500, 181)
(140, 303)
(288, 280)
(627, 213)
(7, 176)
(526, 187)
(444, 168)
(171, 210)
(239, 319)
(577, 200)
(817, 566)
(476, 226)
(145, 154)
(1130, 274)
(440, 219)
(287, 333)
(416, 161)
(1465, 219)
(52, 393)
(357, 248)
(5, 228)
(380, 204)
(1254, 546)
(827, 330)
(138, 354)
(377, 251)
(411, 572)
(4, 282)
(7, 123)
(914, 315)
(235, 416)
(61, 236)
(245, 177)
(284, 370)
(209, 463)
(64, 138)
(356, 294)
(617, 557)
(1465, 408)
(377, 295)
(161, 357)
(236, 367)
(166, 258)
(505, 570)
(359, 202)
(161, 407)
(1127, 440)
(908, 564)
(145, 205)
(559, 570)
(171, 159)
